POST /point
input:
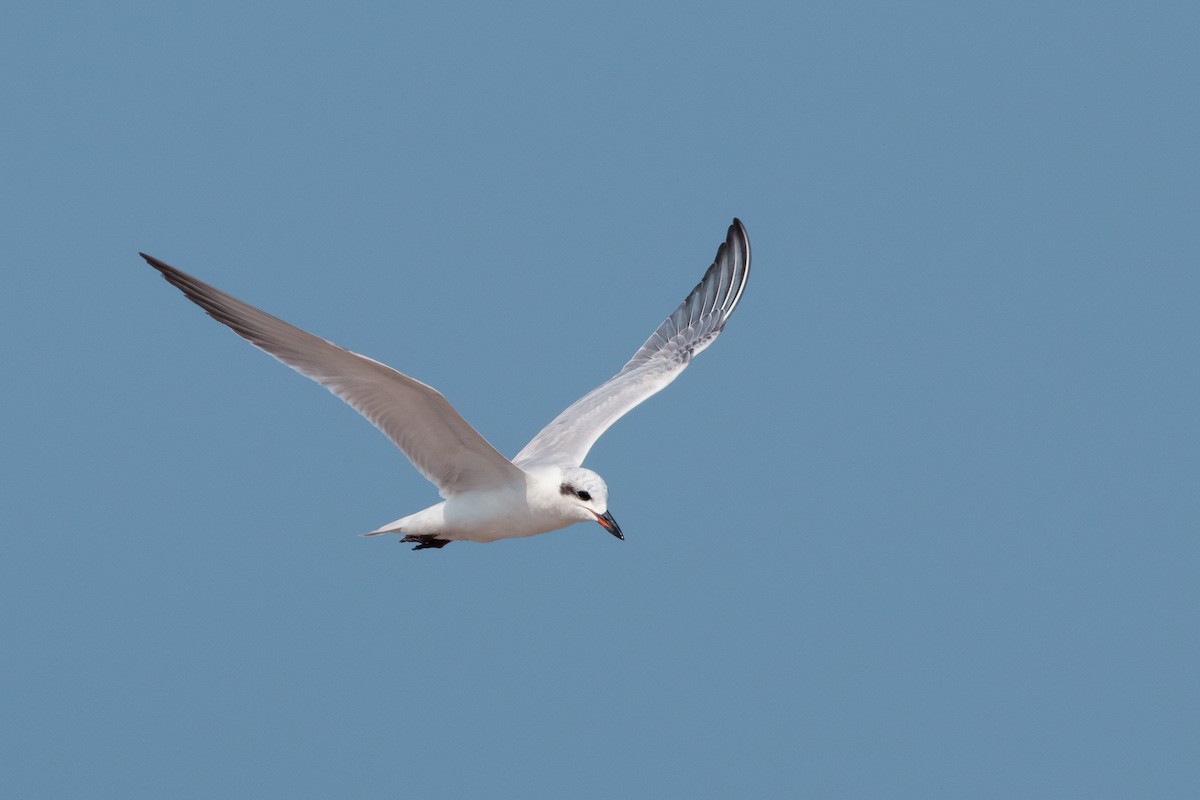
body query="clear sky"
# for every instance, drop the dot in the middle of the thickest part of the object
(924, 522)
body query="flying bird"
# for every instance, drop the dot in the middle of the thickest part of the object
(486, 496)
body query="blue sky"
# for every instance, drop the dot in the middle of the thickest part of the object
(923, 523)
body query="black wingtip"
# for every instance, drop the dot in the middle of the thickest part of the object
(154, 262)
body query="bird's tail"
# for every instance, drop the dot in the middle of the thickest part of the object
(391, 527)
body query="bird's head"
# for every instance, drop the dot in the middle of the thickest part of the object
(587, 494)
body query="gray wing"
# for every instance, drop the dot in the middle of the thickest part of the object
(692, 327)
(416, 417)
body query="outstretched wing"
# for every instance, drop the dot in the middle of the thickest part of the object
(692, 327)
(416, 417)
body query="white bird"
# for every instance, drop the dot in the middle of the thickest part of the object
(486, 496)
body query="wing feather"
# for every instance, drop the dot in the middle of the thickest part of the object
(417, 418)
(689, 329)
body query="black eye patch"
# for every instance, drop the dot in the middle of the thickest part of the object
(567, 489)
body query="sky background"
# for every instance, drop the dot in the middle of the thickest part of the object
(923, 523)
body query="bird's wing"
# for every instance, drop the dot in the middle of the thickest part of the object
(416, 417)
(692, 327)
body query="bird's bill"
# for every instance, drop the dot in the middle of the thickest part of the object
(609, 524)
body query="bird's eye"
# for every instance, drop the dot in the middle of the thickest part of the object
(582, 495)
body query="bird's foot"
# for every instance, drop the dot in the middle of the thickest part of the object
(425, 541)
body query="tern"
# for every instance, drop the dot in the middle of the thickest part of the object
(486, 496)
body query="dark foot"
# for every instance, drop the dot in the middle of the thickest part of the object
(426, 541)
